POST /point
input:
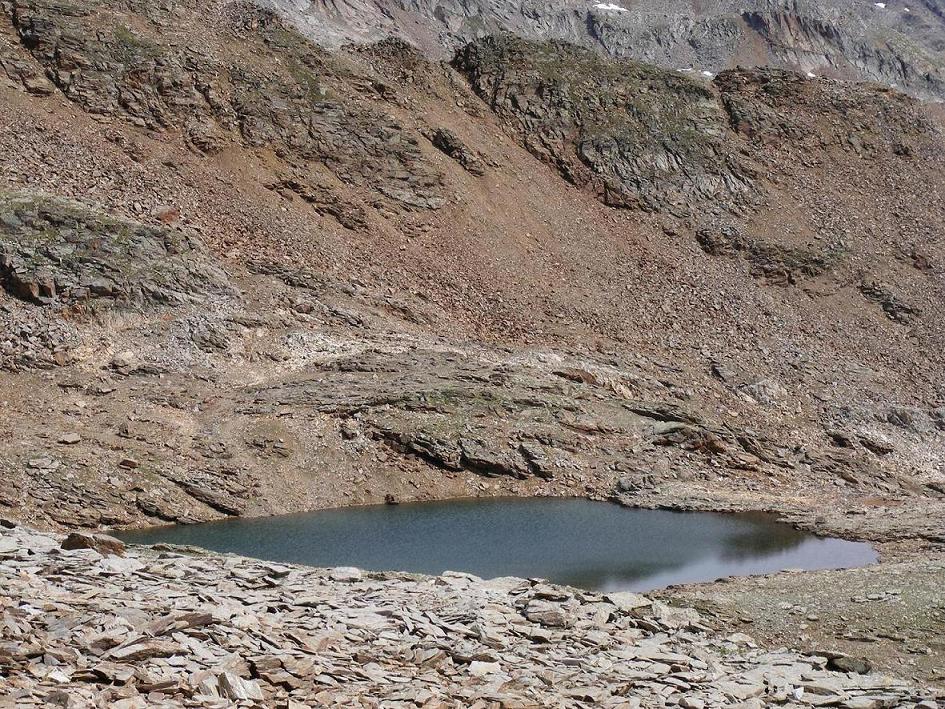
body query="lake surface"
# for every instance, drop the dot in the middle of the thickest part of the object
(593, 545)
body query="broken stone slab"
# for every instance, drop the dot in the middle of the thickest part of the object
(33, 542)
(548, 614)
(113, 565)
(238, 689)
(220, 501)
(212, 630)
(628, 601)
(345, 574)
(482, 669)
(44, 463)
(144, 650)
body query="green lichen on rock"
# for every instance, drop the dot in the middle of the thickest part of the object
(637, 135)
(283, 94)
(53, 251)
(130, 47)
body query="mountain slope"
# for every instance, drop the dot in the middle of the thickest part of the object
(421, 279)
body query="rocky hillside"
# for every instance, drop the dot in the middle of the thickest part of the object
(243, 274)
(898, 42)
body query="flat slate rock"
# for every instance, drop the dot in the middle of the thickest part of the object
(162, 628)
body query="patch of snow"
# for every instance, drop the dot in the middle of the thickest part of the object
(610, 7)
(811, 75)
(880, 5)
(708, 73)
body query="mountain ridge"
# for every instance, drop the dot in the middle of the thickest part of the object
(896, 43)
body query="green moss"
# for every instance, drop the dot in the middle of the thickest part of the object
(131, 48)
(309, 81)
(284, 38)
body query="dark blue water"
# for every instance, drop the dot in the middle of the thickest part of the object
(594, 545)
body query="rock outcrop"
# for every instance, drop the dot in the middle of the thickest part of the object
(110, 69)
(635, 135)
(891, 43)
(654, 139)
(56, 252)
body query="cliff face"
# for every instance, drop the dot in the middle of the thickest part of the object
(906, 55)
(895, 43)
(635, 135)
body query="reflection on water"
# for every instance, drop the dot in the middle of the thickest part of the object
(593, 545)
(760, 539)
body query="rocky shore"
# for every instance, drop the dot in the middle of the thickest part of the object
(95, 624)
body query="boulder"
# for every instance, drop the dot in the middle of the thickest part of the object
(65, 253)
(102, 543)
(846, 663)
(628, 601)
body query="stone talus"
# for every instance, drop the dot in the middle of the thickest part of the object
(207, 630)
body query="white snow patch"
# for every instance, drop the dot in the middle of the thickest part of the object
(610, 6)
(811, 75)
(708, 73)
(880, 5)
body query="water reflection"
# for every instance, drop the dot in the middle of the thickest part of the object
(761, 538)
(588, 544)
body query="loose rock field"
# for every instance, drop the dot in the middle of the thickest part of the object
(152, 627)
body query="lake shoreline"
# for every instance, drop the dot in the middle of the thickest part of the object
(208, 628)
(594, 545)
